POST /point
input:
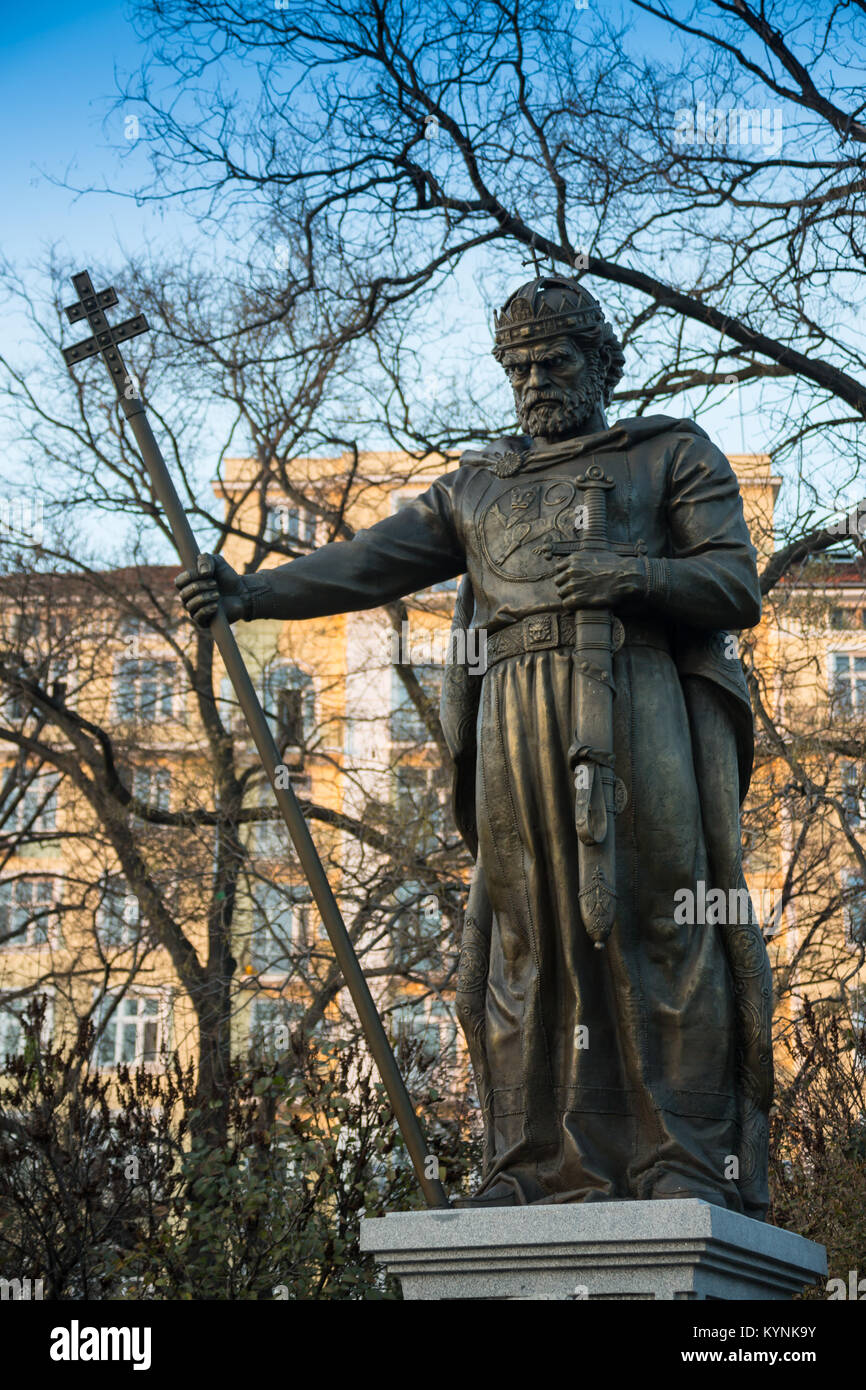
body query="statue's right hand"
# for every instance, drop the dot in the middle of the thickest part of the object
(215, 581)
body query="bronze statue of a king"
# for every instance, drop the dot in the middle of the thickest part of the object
(600, 762)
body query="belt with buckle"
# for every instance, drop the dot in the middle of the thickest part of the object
(546, 631)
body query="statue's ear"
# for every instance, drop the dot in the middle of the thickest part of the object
(612, 362)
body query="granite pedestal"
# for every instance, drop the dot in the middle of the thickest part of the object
(685, 1249)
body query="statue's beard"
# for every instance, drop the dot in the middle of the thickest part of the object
(553, 415)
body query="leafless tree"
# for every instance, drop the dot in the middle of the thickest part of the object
(163, 841)
(367, 162)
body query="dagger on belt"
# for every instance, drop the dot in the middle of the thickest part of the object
(597, 636)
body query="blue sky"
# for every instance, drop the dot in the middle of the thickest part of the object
(61, 66)
(57, 77)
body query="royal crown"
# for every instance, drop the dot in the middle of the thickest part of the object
(545, 308)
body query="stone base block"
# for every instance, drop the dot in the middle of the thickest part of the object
(685, 1249)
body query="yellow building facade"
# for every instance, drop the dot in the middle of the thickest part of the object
(71, 929)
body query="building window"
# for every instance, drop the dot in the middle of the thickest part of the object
(852, 793)
(854, 909)
(272, 1019)
(152, 786)
(27, 915)
(290, 716)
(857, 1001)
(416, 927)
(132, 1030)
(418, 807)
(843, 619)
(280, 923)
(11, 1028)
(424, 1033)
(144, 689)
(13, 1011)
(35, 811)
(16, 706)
(287, 521)
(267, 838)
(849, 680)
(407, 726)
(58, 678)
(132, 629)
(227, 705)
(118, 917)
(51, 675)
(289, 702)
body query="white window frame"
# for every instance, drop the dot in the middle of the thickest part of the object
(306, 530)
(852, 610)
(50, 928)
(24, 1000)
(294, 901)
(413, 899)
(161, 708)
(272, 687)
(120, 1016)
(847, 702)
(423, 1021)
(16, 706)
(104, 919)
(260, 1037)
(156, 783)
(42, 787)
(435, 798)
(402, 708)
(267, 839)
(851, 878)
(853, 787)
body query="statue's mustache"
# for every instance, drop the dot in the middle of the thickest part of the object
(549, 396)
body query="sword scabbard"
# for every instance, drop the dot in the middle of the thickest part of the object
(591, 756)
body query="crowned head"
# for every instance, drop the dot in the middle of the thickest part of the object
(560, 354)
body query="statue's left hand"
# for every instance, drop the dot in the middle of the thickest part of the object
(599, 579)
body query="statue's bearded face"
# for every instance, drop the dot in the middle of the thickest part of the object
(555, 387)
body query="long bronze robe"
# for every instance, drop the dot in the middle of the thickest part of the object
(644, 1070)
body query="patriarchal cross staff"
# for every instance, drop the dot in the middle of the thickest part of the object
(91, 306)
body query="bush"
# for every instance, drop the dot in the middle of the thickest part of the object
(818, 1143)
(104, 1193)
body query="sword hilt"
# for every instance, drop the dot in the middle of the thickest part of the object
(595, 485)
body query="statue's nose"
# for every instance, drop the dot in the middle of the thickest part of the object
(537, 376)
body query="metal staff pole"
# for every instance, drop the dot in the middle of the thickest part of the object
(91, 306)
